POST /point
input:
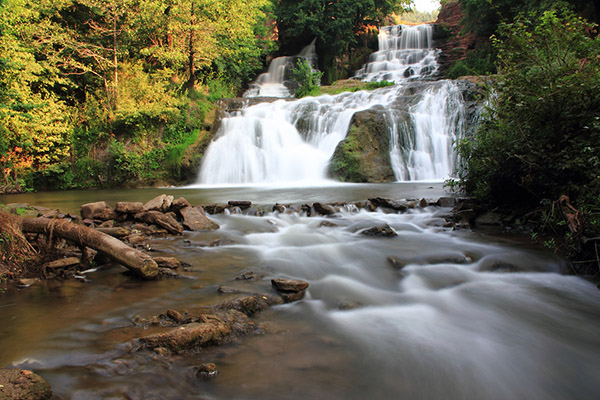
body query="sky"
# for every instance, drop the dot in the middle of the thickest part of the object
(426, 5)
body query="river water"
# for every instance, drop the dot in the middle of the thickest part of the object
(472, 315)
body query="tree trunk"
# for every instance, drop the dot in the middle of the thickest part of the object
(192, 80)
(138, 262)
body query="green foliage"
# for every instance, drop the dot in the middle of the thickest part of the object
(336, 25)
(378, 84)
(541, 136)
(417, 17)
(477, 62)
(308, 79)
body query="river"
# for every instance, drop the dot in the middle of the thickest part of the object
(472, 315)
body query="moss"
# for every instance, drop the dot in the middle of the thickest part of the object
(363, 156)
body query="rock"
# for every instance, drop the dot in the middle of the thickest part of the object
(159, 203)
(213, 330)
(289, 285)
(214, 209)
(178, 204)
(115, 232)
(99, 210)
(241, 204)
(247, 276)
(28, 281)
(23, 385)
(167, 262)
(129, 207)
(489, 218)
(195, 219)
(62, 263)
(324, 209)
(162, 220)
(175, 316)
(251, 304)
(295, 296)
(395, 205)
(379, 231)
(327, 224)
(280, 208)
(207, 370)
(135, 239)
(228, 290)
(446, 202)
(396, 263)
(364, 155)
(423, 203)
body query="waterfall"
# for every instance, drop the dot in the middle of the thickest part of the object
(276, 81)
(292, 141)
(404, 53)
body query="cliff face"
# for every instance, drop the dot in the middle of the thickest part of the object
(451, 38)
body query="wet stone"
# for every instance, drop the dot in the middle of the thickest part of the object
(207, 370)
(396, 263)
(247, 276)
(289, 285)
(23, 384)
(167, 262)
(379, 231)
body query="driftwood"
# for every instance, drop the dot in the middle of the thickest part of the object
(138, 262)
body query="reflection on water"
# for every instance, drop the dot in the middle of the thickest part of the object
(456, 315)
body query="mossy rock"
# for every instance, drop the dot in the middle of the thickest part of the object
(364, 155)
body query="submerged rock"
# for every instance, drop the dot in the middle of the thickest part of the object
(207, 370)
(214, 329)
(23, 385)
(379, 231)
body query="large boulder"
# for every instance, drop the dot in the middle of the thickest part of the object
(364, 155)
(159, 203)
(195, 219)
(129, 207)
(23, 385)
(98, 210)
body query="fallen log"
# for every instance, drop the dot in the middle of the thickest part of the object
(138, 262)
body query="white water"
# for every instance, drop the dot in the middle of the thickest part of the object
(275, 82)
(292, 141)
(405, 52)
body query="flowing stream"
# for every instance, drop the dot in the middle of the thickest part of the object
(468, 316)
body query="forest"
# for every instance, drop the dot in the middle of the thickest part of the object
(99, 93)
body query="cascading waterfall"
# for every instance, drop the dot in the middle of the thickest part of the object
(424, 148)
(292, 141)
(405, 52)
(275, 82)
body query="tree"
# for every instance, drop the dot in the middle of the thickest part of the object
(541, 137)
(336, 24)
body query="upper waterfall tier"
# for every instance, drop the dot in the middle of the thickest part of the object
(293, 141)
(276, 82)
(405, 52)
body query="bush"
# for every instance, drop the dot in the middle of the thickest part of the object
(541, 136)
(308, 79)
